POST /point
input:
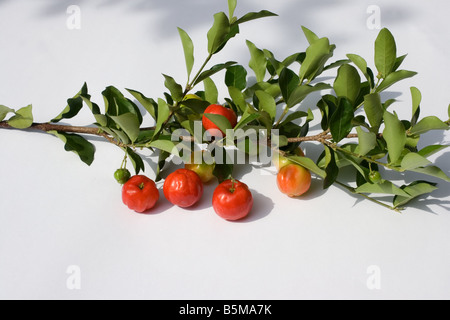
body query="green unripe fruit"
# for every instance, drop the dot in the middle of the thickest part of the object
(375, 177)
(122, 176)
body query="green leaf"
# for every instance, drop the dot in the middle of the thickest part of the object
(163, 115)
(347, 83)
(310, 36)
(258, 61)
(288, 81)
(188, 48)
(367, 141)
(432, 171)
(165, 145)
(361, 63)
(414, 190)
(238, 98)
(129, 124)
(218, 32)
(301, 92)
(414, 160)
(220, 121)
(267, 103)
(176, 90)
(77, 144)
(231, 8)
(23, 118)
(395, 136)
(308, 164)
(74, 105)
(4, 112)
(385, 52)
(101, 119)
(428, 124)
(331, 169)
(317, 55)
(393, 78)
(430, 150)
(211, 92)
(246, 120)
(416, 100)
(255, 15)
(386, 187)
(236, 76)
(149, 104)
(136, 161)
(215, 69)
(374, 109)
(341, 121)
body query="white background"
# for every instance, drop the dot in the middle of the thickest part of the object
(55, 212)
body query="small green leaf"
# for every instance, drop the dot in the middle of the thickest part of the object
(317, 55)
(74, 105)
(215, 69)
(231, 8)
(430, 150)
(176, 90)
(308, 164)
(136, 161)
(23, 118)
(165, 145)
(416, 100)
(414, 190)
(385, 52)
(267, 103)
(395, 136)
(310, 36)
(236, 76)
(301, 92)
(428, 124)
(188, 48)
(220, 121)
(393, 78)
(77, 144)
(288, 81)
(211, 92)
(238, 98)
(129, 124)
(258, 61)
(341, 121)
(367, 141)
(163, 115)
(385, 187)
(255, 15)
(218, 32)
(361, 63)
(246, 120)
(4, 112)
(331, 169)
(149, 104)
(414, 160)
(374, 109)
(347, 83)
(432, 171)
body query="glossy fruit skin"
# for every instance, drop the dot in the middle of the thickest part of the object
(375, 177)
(122, 176)
(140, 194)
(183, 188)
(232, 200)
(280, 161)
(221, 110)
(204, 170)
(294, 180)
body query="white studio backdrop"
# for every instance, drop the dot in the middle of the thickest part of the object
(64, 232)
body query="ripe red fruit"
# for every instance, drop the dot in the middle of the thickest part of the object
(183, 188)
(220, 110)
(294, 180)
(140, 194)
(232, 200)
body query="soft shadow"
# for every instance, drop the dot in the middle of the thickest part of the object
(262, 207)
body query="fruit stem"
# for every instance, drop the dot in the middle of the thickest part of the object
(233, 185)
(141, 186)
